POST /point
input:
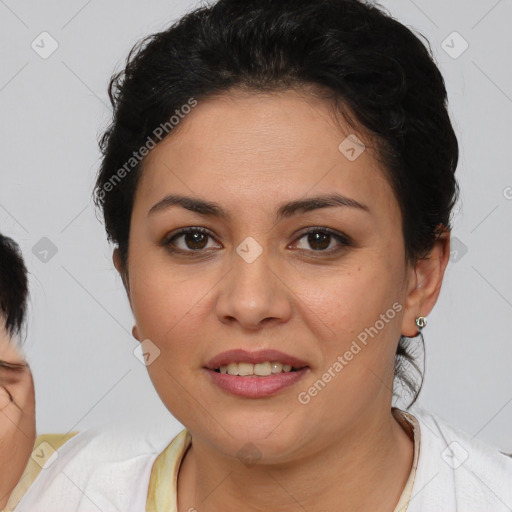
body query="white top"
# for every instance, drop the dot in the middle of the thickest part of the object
(109, 470)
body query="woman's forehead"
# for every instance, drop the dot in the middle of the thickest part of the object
(260, 144)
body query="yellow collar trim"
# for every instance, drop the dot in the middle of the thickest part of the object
(162, 495)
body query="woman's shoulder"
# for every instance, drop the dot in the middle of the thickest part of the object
(45, 451)
(106, 467)
(457, 471)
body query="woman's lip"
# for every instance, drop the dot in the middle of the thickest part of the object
(254, 357)
(256, 387)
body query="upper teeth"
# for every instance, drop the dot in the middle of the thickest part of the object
(260, 369)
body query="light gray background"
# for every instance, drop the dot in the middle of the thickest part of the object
(79, 342)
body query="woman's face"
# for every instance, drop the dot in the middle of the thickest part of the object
(17, 413)
(255, 280)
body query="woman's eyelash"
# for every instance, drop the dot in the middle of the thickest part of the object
(169, 239)
(12, 366)
(342, 239)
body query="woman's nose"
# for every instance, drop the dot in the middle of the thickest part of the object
(252, 293)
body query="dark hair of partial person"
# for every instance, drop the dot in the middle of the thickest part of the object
(371, 69)
(13, 285)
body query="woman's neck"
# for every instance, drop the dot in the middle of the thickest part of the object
(365, 470)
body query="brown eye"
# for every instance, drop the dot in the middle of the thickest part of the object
(319, 241)
(189, 240)
(195, 240)
(324, 240)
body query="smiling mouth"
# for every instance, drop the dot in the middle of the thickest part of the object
(263, 369)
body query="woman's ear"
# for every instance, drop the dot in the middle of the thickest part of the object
(424, 283)
(116, 258)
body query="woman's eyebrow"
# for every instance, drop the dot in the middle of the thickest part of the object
(209, 208)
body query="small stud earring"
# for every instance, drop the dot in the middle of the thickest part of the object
(421, 322)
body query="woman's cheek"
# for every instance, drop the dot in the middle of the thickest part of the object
(158, 304)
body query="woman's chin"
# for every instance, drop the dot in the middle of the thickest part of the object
(256, 438)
